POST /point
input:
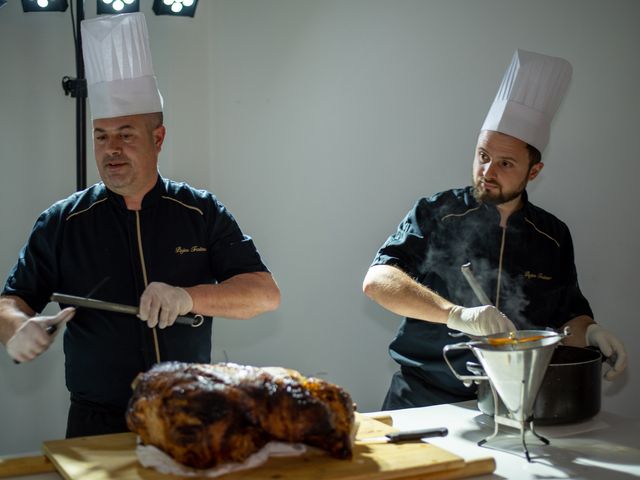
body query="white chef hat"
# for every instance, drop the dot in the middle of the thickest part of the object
(529, 97)
(118, 67)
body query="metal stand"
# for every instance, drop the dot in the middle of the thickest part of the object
(77, 88)
(523, 426)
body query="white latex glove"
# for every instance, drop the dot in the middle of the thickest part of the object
(609, 345)
(160, 304)
(480, 321)
(32, 338)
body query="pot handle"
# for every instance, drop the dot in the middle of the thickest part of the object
(466, 379)
(608, 360)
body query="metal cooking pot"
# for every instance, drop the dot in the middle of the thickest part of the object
(570, 390)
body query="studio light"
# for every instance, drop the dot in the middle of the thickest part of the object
(181, 8)
(117, 6)
(44, 5)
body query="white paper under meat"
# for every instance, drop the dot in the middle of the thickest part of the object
(152, 457)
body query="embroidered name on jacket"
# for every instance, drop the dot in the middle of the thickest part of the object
(528, 275)
(194, 249)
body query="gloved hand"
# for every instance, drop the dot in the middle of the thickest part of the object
(160, 304)
(480, 321)
(32, 338)
(610, 346)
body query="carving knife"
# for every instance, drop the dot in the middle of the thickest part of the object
(51, 329)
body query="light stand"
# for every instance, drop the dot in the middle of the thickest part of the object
(77, 88)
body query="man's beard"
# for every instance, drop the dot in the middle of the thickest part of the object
(497, 197)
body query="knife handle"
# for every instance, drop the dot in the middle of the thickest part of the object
(417, 434)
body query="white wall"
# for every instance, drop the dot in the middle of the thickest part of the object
(319, 124)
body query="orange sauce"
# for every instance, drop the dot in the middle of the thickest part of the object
(513, 340)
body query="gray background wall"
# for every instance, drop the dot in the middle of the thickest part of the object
(319, 123)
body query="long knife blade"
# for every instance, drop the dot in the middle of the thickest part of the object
(97, 287)
(191, 320)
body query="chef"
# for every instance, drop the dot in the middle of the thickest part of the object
(163, 246)
(521, 255)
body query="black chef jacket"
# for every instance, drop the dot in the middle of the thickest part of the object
(181, 236)
(527, 270)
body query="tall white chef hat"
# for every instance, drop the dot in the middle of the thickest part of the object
(118, 66)
(529, 97)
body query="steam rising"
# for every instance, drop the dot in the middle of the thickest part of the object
(472, 240)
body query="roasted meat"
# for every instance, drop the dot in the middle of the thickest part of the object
(204, 415)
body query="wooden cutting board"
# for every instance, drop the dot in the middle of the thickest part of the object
(113, 456)
(29, 465)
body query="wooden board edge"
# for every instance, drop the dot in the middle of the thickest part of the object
(471, 468)
(52, 458)
(382, 418)
(30, 465)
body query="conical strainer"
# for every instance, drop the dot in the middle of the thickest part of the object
(516, 370)
(515, 366)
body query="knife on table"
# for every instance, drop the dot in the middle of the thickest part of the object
(190, 320)
(407, 435)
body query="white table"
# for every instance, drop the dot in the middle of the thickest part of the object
(606, 447)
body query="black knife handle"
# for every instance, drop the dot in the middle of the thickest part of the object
(417, 434)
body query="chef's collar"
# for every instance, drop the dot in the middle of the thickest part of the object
(492, 209)
(150, 198)
(518, 216)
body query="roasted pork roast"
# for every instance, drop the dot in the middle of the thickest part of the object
(204, 415)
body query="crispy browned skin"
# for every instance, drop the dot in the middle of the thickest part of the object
(204, 415)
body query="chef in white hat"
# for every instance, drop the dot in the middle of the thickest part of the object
(166, 248)
(521, 255)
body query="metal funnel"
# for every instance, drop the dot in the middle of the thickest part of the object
(516, 369)
(514, 365)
